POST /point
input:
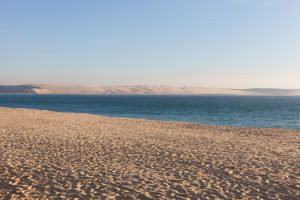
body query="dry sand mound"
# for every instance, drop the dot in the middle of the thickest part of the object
(65, 156)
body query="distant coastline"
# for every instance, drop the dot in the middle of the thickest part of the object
(143, 90)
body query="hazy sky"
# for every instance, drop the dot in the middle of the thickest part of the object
(219, 43)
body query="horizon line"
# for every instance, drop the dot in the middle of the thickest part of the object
(145, 85)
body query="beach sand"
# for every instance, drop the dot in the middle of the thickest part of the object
(47, 154)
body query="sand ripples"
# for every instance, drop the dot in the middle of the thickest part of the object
(55, 155)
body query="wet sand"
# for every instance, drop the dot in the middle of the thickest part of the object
(55, 155)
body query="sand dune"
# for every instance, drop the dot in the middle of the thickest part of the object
(66, 156)
(144, 90)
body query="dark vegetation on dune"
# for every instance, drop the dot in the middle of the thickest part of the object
(23, 89)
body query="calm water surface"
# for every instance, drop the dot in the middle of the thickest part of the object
(281, 112)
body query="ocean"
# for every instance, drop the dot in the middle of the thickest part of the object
(275, 112)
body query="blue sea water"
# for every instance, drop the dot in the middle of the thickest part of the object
(279, 112)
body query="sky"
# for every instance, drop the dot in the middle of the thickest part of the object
(215, 43)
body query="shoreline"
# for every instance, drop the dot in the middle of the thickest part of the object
(155, 120)
(74, 155)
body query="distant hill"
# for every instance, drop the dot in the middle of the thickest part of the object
(143, 90)
(274, 91)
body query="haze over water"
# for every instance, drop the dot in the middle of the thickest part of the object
(278, 112)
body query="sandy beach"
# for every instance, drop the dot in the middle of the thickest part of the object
(52, 155)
